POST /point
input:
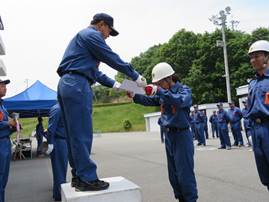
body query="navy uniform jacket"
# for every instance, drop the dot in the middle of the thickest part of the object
(235, 115)
(192, 119)
(55, 125)
(175, 105)
(213, 119)
(258, 97)
(5, 130)
(223, 118)
(198, 117)
(84, 53)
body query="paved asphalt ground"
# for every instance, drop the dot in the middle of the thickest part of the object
(222, 176)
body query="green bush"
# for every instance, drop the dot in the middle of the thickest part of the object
(127, 125)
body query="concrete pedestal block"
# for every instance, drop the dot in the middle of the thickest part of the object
(120, 190)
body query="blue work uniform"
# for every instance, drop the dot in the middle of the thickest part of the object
(205, 126)
(59, 154)
(214, 125)
(199, 127)
(258, 114)
(5, 150)
(78, 69)
(223, 120)
(235, 115)
(39, 137)
(192, 122)
(175, 107)
(246, 124)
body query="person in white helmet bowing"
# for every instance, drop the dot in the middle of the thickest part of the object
(175, 100)
(258, 107)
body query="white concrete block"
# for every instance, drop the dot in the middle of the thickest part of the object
(120, 190)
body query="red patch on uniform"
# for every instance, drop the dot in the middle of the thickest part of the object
(266, 98)
(1, 116)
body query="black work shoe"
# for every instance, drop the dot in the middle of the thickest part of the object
(96, 185)
(74, 181)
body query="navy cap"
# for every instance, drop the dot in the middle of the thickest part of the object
(7, 81)
(230, 103)
(220, 104)
(108, 20)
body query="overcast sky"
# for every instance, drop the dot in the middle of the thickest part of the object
(37, 32)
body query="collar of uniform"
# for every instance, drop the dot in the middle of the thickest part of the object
(175, 87)
(265, 74)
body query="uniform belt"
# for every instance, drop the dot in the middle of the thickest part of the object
(59, 137)
(78, 73)
(174, 129)
(261, 120)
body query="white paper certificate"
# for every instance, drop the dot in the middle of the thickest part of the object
(131, 86)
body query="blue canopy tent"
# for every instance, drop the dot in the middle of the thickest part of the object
(34, 101)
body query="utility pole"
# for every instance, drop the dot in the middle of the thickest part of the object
(220, 20)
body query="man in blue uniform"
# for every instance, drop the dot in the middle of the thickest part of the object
(205, 123)
(192, 125)
(7, 126)
(223, 120)
(78, 71)
(246, 121)
(39, 135)
(258, 107)
(214, 124)
(175, 101)
(235, 116)
(199, 126)
(57, 148)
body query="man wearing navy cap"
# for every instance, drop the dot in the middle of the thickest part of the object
(199, 126)
(7, 126)
(246, 121)
(223, 120)
(235, 116)
(78, 71)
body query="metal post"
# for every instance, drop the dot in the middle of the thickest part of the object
(221, 21)
(227, 74)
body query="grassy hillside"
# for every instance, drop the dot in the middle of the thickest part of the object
(111, 118)
(106, 118)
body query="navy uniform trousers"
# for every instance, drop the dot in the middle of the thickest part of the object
(180, 152)
(59, 162)
(236, 130)
(260, 139)
(224, 135)
(5, 157)
(199, 127)
(75, 98)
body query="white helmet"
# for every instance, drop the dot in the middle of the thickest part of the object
(161, 71)
(261, 45)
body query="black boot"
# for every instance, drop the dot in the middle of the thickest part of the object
(74, 180)
(96, 185)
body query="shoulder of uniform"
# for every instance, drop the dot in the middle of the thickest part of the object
(89, 32)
